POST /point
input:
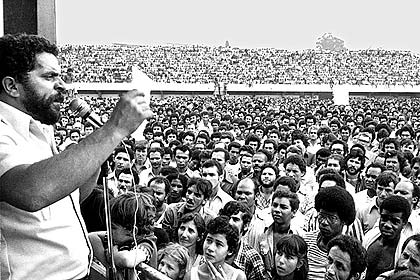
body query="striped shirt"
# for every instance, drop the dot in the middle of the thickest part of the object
(317, 259)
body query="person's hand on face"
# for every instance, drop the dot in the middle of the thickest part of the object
(216, 273)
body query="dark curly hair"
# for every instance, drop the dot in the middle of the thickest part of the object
(336, 199)
(234, 207)
(201, 228)
(220, 225)
(354, 248)
(18, 52)
(397, 204)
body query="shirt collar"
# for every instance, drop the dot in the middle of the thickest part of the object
(16, 118)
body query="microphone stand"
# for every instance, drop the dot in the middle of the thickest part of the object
(111, 269)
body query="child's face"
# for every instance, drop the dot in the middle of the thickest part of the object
(121, 235)
(215, 248)
(169, 267)
(285, 264)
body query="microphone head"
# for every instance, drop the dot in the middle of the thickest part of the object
(79, 107)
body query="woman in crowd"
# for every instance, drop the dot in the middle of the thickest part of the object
(191, 231)
(291, 261)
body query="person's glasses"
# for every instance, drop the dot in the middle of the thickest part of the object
(331, 219)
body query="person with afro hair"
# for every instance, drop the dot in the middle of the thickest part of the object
(336, 209)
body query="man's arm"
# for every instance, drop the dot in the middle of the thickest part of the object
(35, 186)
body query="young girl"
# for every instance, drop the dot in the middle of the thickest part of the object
(291, 261)
(173, 261)
(132, 218)
(220, 243)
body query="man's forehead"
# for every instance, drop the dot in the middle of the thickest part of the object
(47, 62)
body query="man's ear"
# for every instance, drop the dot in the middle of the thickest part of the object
(415, 200)
(9, 85)
(299, 264)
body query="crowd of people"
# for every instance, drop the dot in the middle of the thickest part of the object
(218, 188)
(230, 65)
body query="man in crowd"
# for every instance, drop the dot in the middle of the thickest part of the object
(154, 155)
(41, 190)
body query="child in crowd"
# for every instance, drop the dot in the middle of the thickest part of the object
(221, 242)
(291, 261)
(173, 261)
(132, 217)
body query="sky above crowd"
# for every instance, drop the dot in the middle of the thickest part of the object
(292, 24)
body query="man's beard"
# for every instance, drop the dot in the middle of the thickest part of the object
(41, 109)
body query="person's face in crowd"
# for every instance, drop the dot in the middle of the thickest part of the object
(339, 264)
(195, 199)
(281, 211)
(75, 136)
(157, 129)
(188, 234)
(274, 136)
(64, 121)
(211, 174)
(165, 123)
(205, 119)
(182, 159)
(383, 192)
(234, 154)
(125, 183)
(246, 163)
(351, 125)
(338, 149)
(188, 140)
(259, 133)
(408, 148)
(215, 248)
(330, 224)
(286, 264)
(406, 189)
(236, 221)
(268, 176)
(42, 90)
(215, 139)
(282, 154)
(170, 267)
(390, 224)
(354, 165)
(334, 128)
(400, 124)
(122, 160)
(166, 159)
(283, 133)
(258, 161)
(300, 145)
(191, 127)
(320, 160)
(415, 167)
(292, 170)
(176, 189)
(409, 258)
(359, 119)
(148, 135)
(371, 174)
(158, 193)
(313, 134)
(393, 124)
(193, 119)
(345, 134)
(174, 121)
(141, 155)
(310, 122)
(334, 163)
(200, 140)
(389, 147)
(254, 145)
(269, 147)
(392, 164)
(155, 160)
(248, 120)
(88, 130)
(241, 115)
(180, 128)
(245, 193)
(220, 157)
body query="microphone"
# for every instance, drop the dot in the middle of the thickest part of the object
(80, 108)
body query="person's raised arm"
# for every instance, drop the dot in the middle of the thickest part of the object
(38, 185)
